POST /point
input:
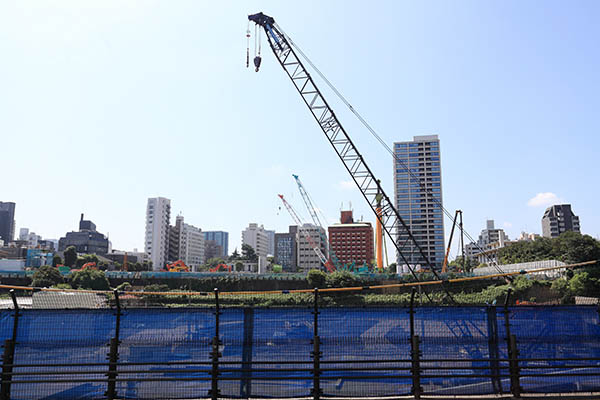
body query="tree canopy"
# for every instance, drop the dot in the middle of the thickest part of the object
(46, 276)
(90, 279)
(70, 256)
(248, 253)
(570, 247)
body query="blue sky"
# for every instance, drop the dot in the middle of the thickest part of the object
(106, 103)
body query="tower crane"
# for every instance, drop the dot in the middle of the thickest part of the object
(304, 231)
(391, 222)
(315, 217)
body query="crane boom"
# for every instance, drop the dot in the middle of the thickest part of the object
(354, 162)
(302, 229)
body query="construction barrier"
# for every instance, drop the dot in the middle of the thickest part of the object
(217, 352)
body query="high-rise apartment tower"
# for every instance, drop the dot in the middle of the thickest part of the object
(418, 196)
(156, 243)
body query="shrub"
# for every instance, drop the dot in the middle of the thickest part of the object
(90, 279)
(342, 279)
(46, 276)
(316, 278)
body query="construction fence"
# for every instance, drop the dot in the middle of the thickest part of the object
(318, 351)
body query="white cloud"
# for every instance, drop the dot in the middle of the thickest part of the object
(346, 185)
(544, 199)
(507, 225)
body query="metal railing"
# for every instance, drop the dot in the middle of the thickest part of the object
(501, 374)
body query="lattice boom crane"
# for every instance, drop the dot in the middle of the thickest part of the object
(383, 208)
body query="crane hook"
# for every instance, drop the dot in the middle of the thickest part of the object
(257, 61)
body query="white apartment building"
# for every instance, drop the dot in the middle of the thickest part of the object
(156, 241)
(257, 237)
(190, 246)
(307, 258)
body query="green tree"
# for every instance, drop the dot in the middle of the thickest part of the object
(316, 278)
(459, 264)
(392, 268)
(46, 276)
(248, 253)
(90, 279)
(56, 260)
(70, 256)
(235, 255)
(86, 258)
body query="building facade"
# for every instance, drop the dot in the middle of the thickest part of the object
(156, 239)
(307, 257)
(191, 245)
(418, 199)
(271, 245)
(7, 221)
(286, 249)
(559, 219)
(87, 240)
(221, 239)
(257, 237)
(352, 242)
(490, 240)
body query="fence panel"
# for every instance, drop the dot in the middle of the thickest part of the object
(557, 340)
(266, 352)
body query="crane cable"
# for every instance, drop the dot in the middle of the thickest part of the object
(382, 142)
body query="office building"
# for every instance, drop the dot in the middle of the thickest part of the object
(7, 221)
(286, 249)
(559, 219)
(156, 240)
(258, 238)
(220, 239)
(86, 241)
(418, 199)
(307, 257)
(352, 242)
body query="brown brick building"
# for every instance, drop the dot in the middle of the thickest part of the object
(352, 241)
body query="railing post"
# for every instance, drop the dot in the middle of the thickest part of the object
(246, 382)
(493, 350)
(415, 352)
(412, 312)
(515, 386)
(9, 352)
(113, 353)
(316, 353)
(215, 354)
(511, 348)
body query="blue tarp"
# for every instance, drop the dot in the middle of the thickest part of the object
(152, 337)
